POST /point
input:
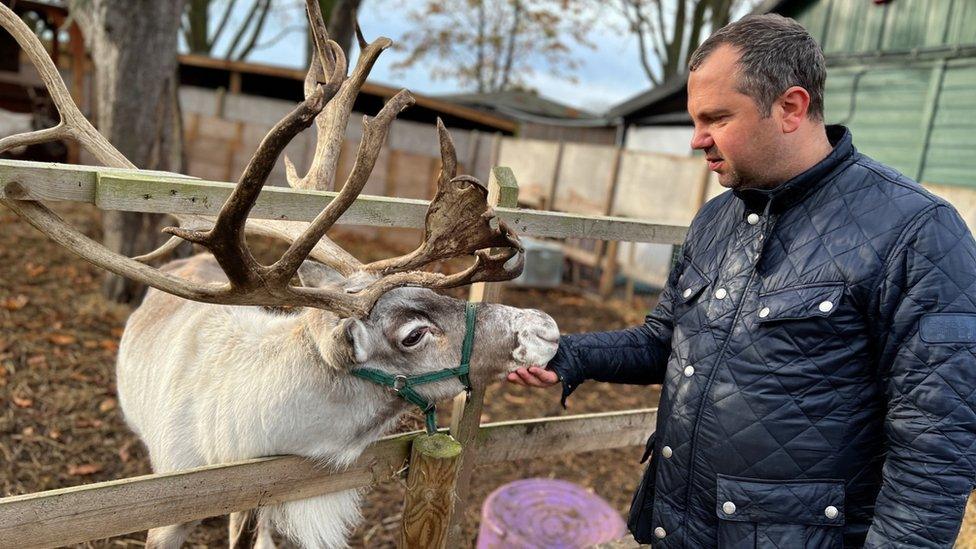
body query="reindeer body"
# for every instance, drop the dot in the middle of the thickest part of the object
(206, 384)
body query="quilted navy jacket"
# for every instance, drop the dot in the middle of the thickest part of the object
(817, 349)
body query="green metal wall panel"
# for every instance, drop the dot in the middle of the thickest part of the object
(916, 116)
(884, 107)
(962, 24)
(858, 26)
(952, 143)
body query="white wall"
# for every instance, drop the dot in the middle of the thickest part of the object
(660, 139)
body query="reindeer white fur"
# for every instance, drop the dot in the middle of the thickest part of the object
(205, 384)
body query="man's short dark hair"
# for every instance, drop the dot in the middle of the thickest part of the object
(776, 53)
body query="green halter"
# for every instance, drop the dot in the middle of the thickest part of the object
(403, 385)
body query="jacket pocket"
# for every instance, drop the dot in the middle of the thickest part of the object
(642, 504)
(690, 284)
(796, 303)
(768, 513)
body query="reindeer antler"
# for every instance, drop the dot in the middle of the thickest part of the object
(459, 221)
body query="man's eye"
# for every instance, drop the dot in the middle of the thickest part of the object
(414, 338)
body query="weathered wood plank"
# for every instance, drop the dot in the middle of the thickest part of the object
(82, 513)
(169, 193)
(566, 225)
(511, 440)
(55, 182)
(77, 186)
(94, 511)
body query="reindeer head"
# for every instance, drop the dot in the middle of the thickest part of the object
(416, 331)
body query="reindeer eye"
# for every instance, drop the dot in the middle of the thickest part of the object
(414, 337)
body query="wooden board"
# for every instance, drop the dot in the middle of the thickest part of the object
(148, 192)
(98, 510)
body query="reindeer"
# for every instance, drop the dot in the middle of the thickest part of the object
(207, 373)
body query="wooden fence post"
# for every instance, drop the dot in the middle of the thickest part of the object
(607, 255)
(466, 415)
(431, 483)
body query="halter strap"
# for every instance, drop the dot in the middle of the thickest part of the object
(404, 385)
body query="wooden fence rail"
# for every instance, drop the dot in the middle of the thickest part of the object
(141, 191)
(98, 510)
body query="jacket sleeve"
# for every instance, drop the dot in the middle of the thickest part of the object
(636, 355)
(926, 332)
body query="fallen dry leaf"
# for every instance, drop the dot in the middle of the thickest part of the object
(124, 454)
(15, 303)
(85, 423)
(117, 332)
(78, 376)
(107, 405)
(27, 431)
(62, 339)
(34, 270)
(36, 360)
(84, 469)
(109, 344)
(22, 402)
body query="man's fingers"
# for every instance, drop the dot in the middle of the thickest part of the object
(547, 376)
(533, 376)
(512, 377)
(529, 378)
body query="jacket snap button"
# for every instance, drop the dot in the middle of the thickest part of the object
(659, 533)
(721, 293)
(687, 293)
(826, 306)
(666, 452)
(689, 371)
(830, 512)
(728, 508)
(752, 219)
(764, 312)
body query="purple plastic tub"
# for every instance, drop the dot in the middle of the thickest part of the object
(546, 513)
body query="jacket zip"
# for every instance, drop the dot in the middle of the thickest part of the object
(711, 376)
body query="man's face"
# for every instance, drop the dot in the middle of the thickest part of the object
(739, 144)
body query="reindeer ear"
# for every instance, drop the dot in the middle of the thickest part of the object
(316, 275)
(357, 338)
(345, 343)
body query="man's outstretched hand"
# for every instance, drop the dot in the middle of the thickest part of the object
(533, 376)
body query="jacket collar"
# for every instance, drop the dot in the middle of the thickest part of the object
(790, 192)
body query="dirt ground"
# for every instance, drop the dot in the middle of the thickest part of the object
(60, 424)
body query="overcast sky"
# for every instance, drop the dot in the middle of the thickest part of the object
(607, 74)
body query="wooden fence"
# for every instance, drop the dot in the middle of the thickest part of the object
(98, 510)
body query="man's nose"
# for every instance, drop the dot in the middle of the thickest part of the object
(701, 140)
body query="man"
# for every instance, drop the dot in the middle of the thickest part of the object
(816, 340)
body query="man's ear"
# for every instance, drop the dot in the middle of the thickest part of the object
(794, 104)
(316, 275)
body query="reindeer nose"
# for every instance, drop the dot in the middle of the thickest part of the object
(538, 338)
(547, 329)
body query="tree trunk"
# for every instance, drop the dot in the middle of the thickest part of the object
(340, 21)
(133, 46)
